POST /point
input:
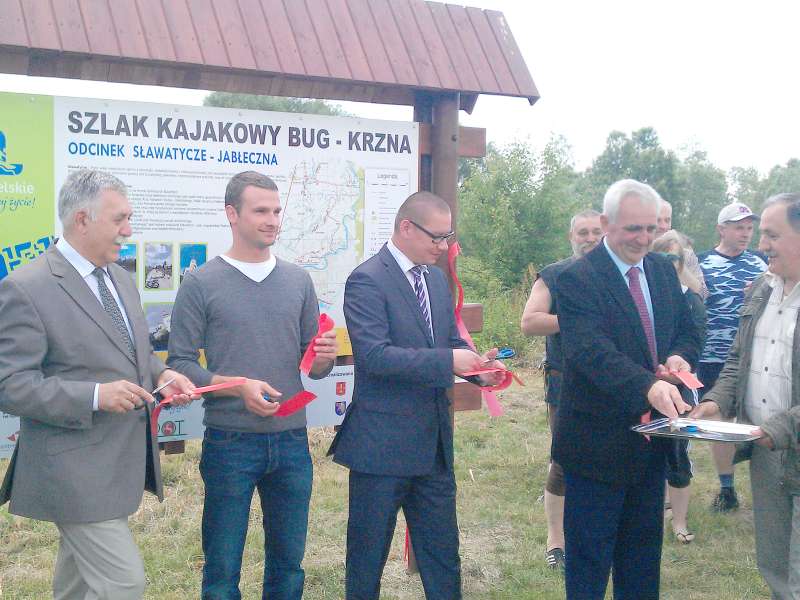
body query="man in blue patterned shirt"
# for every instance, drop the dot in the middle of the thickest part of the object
(728, 269)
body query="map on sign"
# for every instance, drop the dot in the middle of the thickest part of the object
(321, 230)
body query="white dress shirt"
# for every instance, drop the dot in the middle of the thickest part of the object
(406, 264)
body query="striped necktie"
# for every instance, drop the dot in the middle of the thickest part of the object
(112, 308)
(419, 289)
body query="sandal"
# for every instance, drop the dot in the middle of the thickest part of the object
(684, 536)
(555, 558)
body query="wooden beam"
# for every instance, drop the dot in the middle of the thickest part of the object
(472, 314)
(444, 156)
(423, 114)
(471, 141)
(466, 396)
(177, 447)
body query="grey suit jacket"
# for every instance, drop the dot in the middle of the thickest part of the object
(71, 464)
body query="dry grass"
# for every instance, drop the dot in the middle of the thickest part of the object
(501, 466)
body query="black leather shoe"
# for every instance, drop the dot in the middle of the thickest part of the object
(726, 500)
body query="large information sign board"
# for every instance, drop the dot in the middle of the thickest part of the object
(340, 179)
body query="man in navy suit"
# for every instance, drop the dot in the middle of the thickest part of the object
(625, 329)
(397, 438)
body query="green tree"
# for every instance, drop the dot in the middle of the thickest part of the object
(514, 210)
(748, 187)
(745, 185)
(781, 179)
(273, 103)
(703, 190)
(639, 157)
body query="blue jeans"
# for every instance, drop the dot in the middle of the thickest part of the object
(232, 465)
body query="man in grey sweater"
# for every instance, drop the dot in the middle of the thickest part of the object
(254, 315)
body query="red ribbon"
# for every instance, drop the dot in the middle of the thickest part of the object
(291, 406)
(325, 325)
(201, 390)
(295, 403)
(492, 404)
(688, 379)
(509, 377)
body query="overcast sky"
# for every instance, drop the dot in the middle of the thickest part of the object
(718, 76)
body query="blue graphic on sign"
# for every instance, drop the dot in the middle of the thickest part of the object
(7, 168)
(14, 255)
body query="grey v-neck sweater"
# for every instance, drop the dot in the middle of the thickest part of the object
(252, 329)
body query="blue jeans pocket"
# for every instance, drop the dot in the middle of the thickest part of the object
(298, 435)
(220, 437)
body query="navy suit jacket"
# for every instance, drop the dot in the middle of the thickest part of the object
(400, 410)
(608, 367)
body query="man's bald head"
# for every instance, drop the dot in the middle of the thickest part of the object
(418, 206)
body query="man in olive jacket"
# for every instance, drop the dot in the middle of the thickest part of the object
(760, 384)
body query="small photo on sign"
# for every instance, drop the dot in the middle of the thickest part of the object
(158, 266)
(127, 259)
(158, 315)
(192, 257)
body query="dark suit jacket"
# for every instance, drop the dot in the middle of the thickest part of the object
(71, 464)
(400, 410)
(608, 367)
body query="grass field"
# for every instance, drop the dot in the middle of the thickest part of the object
(500, 469)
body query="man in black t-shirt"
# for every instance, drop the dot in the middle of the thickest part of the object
(540, 318)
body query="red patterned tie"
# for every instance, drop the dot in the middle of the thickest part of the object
(644, 316)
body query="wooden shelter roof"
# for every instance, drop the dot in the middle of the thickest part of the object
(383, 51)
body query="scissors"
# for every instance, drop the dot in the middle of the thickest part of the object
(502, 354)
(155, 391)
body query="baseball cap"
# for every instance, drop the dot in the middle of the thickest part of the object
(735, 211)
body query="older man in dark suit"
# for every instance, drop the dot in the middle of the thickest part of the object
(397, 438)
(625, 329)
(75, 361)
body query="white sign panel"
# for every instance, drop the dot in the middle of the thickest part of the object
(340, 181)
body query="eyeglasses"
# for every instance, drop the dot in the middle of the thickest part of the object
(436, 239)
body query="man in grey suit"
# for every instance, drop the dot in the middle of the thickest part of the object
(75, 364)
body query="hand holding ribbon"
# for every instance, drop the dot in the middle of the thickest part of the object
(494, 369)
(178, 387)
(671, 368)
(259, 397)
(495, 379)
(323, 346)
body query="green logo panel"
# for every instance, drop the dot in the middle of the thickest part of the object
(26, 178)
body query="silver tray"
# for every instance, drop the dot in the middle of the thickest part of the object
(698, 429)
